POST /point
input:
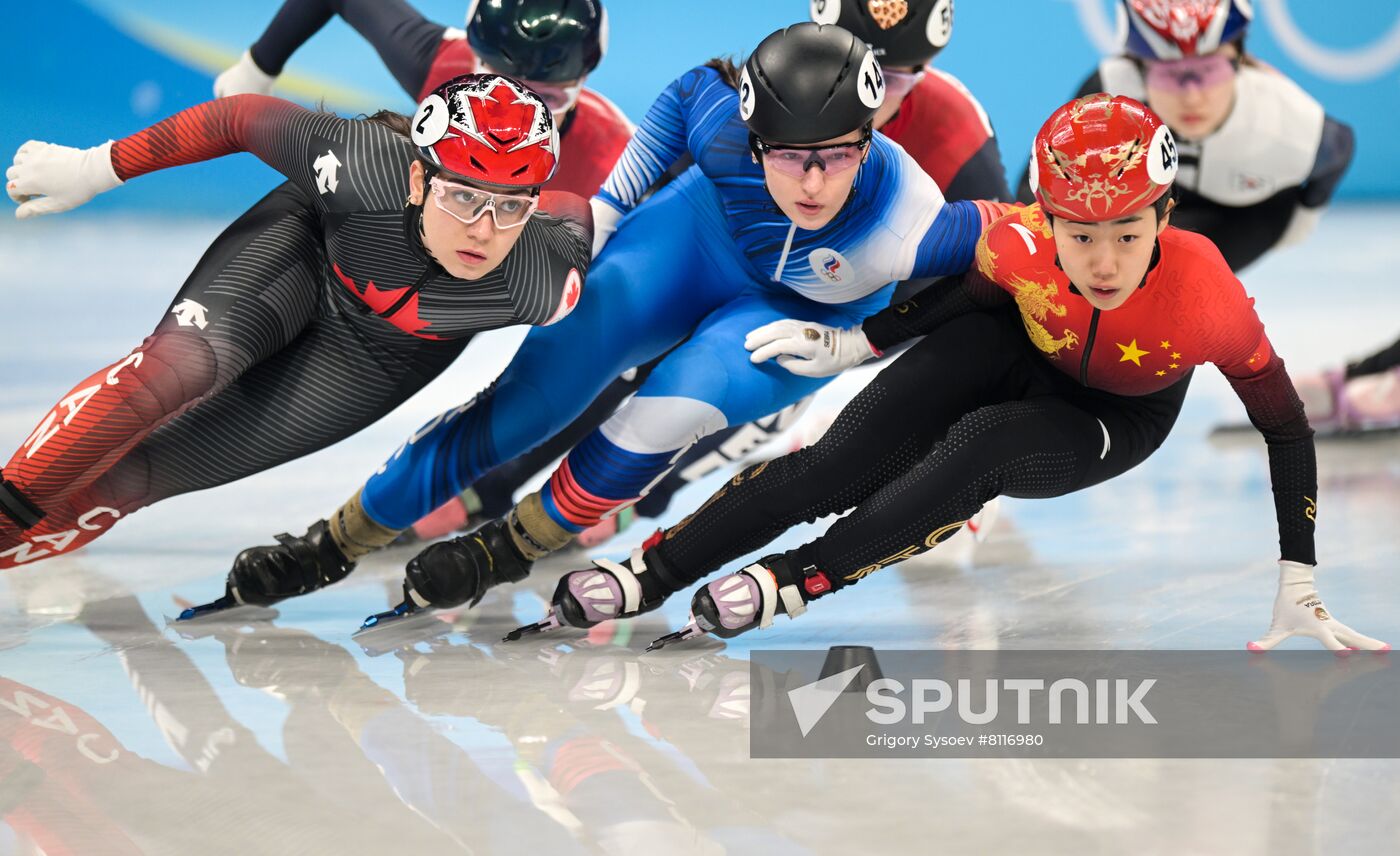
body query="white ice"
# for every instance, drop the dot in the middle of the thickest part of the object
(285, 735)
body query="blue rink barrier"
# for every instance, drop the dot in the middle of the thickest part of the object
(110, 67)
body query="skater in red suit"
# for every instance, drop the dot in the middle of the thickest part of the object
(1059, 363)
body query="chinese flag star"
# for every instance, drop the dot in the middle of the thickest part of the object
(1131, 352)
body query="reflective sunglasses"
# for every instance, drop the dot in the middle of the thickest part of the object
(794, 161)
(468, 204)
(1199, 71)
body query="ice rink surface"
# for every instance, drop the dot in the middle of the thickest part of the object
(282, 733)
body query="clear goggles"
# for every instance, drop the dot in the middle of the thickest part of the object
(559, 97)
(794, 161)
(1179, 75)
(900, 83)
(467, 204)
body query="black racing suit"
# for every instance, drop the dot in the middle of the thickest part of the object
(313, 315)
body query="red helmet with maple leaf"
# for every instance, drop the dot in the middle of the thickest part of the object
(1101, 157)
(487, 128)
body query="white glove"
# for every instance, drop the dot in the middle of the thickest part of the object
(809, 349)
(1299, 611)
(243, 78)
(46, 178)
(605, 219)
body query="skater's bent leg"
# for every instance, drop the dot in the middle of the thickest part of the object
(250, 294)
(700, 387)
(325, 386)
(885, 428)
(1037, 448)
(722, 449)
(495, 491)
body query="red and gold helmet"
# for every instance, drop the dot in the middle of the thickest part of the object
(1101, 157)
(489, 129)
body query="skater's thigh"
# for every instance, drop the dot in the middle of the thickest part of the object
(256, 287)
(324, 387)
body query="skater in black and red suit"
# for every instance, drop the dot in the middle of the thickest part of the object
(321, 309)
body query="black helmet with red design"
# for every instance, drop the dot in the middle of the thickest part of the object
(900, 32)
(487, 129)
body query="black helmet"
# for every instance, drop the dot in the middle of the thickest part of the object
(901, 32)
(809, 82)
(545, 40)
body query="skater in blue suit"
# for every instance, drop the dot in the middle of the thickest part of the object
(794, 209)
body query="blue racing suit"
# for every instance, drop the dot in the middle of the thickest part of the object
(703, 261)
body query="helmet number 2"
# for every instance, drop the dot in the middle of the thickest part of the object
(746, 100)
(430, 122)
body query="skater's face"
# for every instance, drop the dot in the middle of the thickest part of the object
(1107, 261)
(900, 80)
(466, 250)
(1193, 95)
(810, 184)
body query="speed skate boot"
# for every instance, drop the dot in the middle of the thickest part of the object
(608, 590)
(262, 576)
(457, 571)
(750, 597)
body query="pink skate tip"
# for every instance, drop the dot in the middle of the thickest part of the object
(1254, 646)
(1384, 648)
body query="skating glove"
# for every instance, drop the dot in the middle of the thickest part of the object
(809, 349)
(1299, 611)
(243, 78)
(47, 178)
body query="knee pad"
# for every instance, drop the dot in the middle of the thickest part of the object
(654, 425)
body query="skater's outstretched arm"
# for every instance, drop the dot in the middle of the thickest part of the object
(47, 178)
(404, 39)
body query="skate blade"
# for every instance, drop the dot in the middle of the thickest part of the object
(401, 634)
(549, 623)
(690, 631)
(213, 607)
(390, 616)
